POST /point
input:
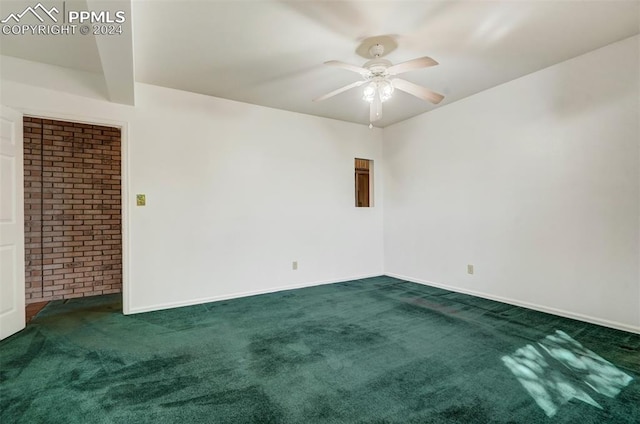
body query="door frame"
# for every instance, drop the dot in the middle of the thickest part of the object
(124, 182)
(13, 319)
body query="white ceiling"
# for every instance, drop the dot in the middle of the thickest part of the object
(76, 52)
(270, 53)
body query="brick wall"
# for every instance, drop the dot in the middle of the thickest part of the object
(73, 242)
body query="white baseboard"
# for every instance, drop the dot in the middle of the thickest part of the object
(535, 307)
(237, 295)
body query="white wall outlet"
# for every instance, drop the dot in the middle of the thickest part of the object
(469, 269)
(294, 265)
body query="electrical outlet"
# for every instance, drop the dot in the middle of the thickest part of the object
(294, 265)
(141, 200)
(469, 269)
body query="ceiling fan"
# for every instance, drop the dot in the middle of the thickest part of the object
(379, 76)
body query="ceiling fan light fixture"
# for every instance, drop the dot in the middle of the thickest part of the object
(369, 92)
(385, 89)
(382, 88)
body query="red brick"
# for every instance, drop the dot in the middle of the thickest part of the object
(73, 243)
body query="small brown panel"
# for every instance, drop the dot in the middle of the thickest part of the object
(363, 182)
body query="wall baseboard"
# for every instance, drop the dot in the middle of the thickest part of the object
(237, 295)
(533, 306)
(559, 312)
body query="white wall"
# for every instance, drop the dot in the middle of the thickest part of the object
(535, 182)
(235, 192)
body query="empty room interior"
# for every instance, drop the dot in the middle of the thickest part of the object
(320, 211)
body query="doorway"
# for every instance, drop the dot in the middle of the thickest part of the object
(73, 210)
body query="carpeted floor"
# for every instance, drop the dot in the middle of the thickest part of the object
(379, 350)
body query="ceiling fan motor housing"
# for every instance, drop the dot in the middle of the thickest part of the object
(377, 67)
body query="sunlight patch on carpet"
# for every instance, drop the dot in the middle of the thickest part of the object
(560, 369)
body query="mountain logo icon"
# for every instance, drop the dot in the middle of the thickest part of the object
(39, 11)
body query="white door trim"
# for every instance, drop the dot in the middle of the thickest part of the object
(124, 175)
(12, 285)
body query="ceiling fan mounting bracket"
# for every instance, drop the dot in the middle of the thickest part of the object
(367, 48)
(377, 50)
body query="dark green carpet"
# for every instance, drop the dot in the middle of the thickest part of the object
(378, 350)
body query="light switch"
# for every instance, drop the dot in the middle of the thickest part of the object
(141, 200)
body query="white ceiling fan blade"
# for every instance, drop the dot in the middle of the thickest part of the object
(417, 90)
(348, 67)
(410, 65)
(339, 90)
(375, 110)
